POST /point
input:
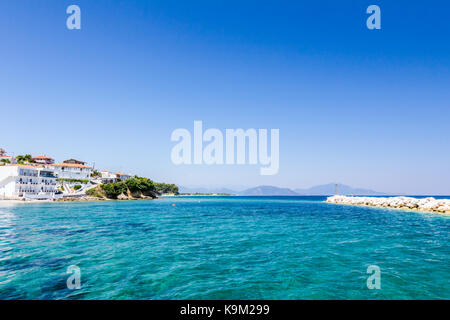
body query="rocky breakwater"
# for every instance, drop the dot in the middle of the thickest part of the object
(406, 203)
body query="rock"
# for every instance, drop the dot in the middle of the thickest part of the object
(426, 204)
(122, 197)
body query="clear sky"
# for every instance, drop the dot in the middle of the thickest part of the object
(368, 108)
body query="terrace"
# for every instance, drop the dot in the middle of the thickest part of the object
(47, 174)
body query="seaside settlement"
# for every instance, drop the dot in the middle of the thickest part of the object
(41, 178)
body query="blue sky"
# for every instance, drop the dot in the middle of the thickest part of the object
(365, 108)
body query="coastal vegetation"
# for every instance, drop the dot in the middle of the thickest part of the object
(96, 174)
(164, 188)
(133, 188)
(4, 162)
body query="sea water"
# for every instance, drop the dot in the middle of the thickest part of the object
(221, 248)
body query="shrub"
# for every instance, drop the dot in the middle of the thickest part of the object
(113, 190)
(96, 174)
(166, 188)
(138, 184)
(77, 187)
(95, 192)
(135, 185)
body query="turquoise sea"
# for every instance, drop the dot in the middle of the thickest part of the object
(221, 248)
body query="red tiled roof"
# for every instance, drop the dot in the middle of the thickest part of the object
(73, 160)
(43, 158)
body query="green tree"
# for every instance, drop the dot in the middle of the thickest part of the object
(113, 190)
(96, 174)
(136, 185)
(162, 188)
(25, 159)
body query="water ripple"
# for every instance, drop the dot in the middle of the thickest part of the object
(221, 248)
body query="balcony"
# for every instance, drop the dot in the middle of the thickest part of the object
(47, 174)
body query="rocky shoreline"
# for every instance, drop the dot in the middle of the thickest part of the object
(406, 203)
(89, 198)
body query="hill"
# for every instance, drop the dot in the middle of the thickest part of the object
(329, 189)
(268, 191)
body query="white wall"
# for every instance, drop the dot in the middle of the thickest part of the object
(72, 172)
(17, 182)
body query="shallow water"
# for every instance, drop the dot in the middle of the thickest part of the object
(221, 248)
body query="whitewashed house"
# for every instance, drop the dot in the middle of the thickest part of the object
(111, 177)
(72, 171)
(122, 176)
(27, 182)
(108, 177)
(44, 160)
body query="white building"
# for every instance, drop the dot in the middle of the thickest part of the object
(44, 160)
(122, 176)
(108, 177)
(27, 182)
(111, 177)
(72, 171)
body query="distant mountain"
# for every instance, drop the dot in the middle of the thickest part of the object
(206, 190)
(268, 191)
(321, 190)
(329, 189)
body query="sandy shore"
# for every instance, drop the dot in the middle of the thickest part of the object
(406, 203)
